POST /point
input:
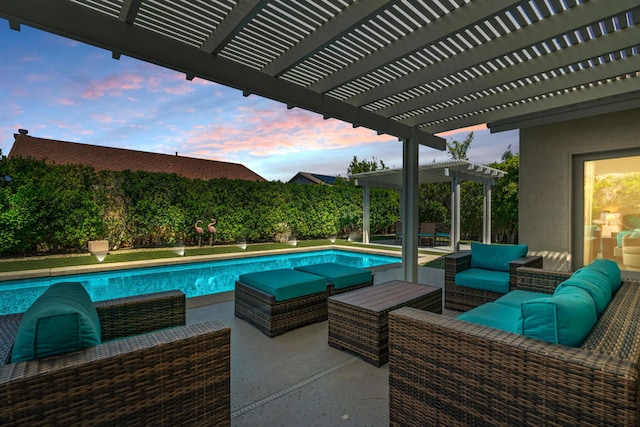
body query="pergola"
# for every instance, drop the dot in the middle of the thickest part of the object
(453, 172)
(407, 68)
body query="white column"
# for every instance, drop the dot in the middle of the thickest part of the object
(454, 237)
(409, 213)
(366, 213)
(486, 213)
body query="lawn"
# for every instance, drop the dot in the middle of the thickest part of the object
(43, 262)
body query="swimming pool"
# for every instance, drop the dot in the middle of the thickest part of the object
(194, 279)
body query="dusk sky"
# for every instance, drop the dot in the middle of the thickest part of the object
(61, 89)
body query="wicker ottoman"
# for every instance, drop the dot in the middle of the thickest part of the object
(359, 321)
(277, 301)
(340, 278)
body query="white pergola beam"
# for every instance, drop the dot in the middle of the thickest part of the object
(243, 12)
(326, 34)
(604, 71)
(545, 29)
(606, 92)
(571, 55)
(450, 23)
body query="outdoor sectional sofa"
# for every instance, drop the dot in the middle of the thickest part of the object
(447, 371)
(150, 369)
(276, 301)
(485, 273)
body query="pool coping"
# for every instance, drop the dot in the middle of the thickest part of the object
(82, 269)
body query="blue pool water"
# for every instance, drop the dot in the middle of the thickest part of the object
(193, 279)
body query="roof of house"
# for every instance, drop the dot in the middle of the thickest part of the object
(118, 159)
(312, 178)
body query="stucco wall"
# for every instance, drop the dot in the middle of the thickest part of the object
(546, 177)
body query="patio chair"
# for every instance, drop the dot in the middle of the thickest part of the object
(442, 233)
(150, 369)
(472, 280)
(398, 232)
(428, 233)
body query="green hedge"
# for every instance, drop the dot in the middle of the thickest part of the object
(51, 208)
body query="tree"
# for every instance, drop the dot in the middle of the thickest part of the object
(504, 200)
(458, 150)
(365, 166)
(508, 154)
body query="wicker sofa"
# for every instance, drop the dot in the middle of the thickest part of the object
(151, 369)
(462, 298)
(445, 371)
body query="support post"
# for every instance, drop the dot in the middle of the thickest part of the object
(486, 213)
(455, 213)
(366, 214)
(409, 213)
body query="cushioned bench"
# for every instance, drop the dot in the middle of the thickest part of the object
(340, 278)
(277, 301)
(446, 371)
(564, 317)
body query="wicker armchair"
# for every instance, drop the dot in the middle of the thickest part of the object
(444, 371)
(149, 370)
(460, 298)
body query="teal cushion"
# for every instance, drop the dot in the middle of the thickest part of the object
(596, 285)
(285, 283)
(341, 276)
(495, 315)
(517, 297)
(610, 270)
(495, 257)
(565, 318)
(635, 235)
(61, 320)
(487, 280)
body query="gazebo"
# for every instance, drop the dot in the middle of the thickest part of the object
(454, 172)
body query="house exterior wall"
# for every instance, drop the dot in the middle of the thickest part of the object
(545, 194)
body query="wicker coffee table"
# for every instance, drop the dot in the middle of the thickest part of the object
(359, 321)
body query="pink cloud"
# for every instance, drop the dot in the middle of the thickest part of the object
(102, 118)
(67, 102)
(14, 109)
(30, 58)
(113, 85)
(38, 77)
(267, 132)
(178, 90)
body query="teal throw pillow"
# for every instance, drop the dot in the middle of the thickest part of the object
(61, 320)
(594, 284)
(564, 318)
(610, 270)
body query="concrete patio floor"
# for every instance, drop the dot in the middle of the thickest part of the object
(296, 379)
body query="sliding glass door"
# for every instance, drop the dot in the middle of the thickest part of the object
(606, 219)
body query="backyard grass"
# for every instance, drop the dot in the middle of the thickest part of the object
(45, 262)
(436, 263)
